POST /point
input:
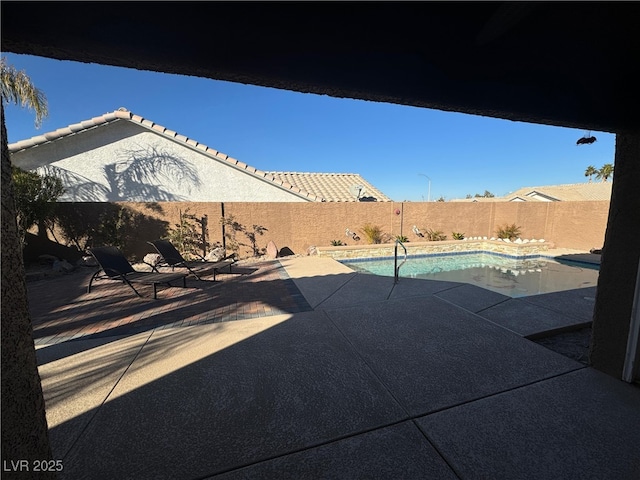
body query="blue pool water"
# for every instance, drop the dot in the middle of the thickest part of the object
(512, 276)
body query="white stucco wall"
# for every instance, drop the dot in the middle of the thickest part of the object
(122, 161)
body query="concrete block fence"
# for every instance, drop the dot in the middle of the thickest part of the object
(302, 226)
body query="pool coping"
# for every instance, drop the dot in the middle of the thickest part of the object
(446, 247)
(535, 256)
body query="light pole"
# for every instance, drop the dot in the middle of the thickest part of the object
(428, 191)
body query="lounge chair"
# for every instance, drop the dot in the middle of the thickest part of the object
(171, 257)
(114, 266)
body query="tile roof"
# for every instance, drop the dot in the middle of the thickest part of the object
(315, 187)
(572, 192)
(569, 192)
(332, 187)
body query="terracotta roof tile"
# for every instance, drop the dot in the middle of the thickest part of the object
(329, 187)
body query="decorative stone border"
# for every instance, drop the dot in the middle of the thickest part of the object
(443, 247)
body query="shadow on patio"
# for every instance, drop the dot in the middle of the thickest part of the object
(376, 382)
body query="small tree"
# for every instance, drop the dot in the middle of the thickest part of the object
(35, 197)
(190, 235)
(252, 236)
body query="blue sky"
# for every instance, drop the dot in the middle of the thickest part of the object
(277, 130)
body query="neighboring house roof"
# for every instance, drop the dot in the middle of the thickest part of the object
(333, 187)
(575, 192)
(315, 187)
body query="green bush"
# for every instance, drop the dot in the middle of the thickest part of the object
(457, 236)
(402, 238)
(104, 224)
(336, 243)
(190, 235)
(35, 197)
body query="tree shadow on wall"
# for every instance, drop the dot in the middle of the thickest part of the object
(76, 187)
(150, 174)
(86, 225)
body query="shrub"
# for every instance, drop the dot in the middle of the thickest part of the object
(435, 235)
(373, 233)
(336, 243)
(189, 235)
(35, 197)
(109, 224)
(457, 236)
(508, 231)
(402, 238)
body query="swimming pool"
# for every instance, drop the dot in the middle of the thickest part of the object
(512, 276)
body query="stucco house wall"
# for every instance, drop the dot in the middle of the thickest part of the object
(123, 161)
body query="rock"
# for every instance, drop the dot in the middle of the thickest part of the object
(508, 240)
(272, 250)
(285, 252)
(517, 240)
(312, 250)
(215, 255)
(152, 259)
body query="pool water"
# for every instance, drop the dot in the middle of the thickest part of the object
(515, 277)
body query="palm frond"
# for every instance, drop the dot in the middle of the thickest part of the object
(16, 87)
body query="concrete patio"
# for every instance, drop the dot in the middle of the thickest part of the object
(301, 368)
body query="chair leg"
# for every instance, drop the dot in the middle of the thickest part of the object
(134, 288)
(93, 277)
(193, 273)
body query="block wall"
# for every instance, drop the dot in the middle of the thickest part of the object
(299, 226)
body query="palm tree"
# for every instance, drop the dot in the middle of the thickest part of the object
(605, 172)
(24, 425)
(16, 88)
(590, 172)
